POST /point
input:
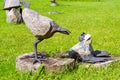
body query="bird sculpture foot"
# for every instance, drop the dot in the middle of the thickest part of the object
(37, 60)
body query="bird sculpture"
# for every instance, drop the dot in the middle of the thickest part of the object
(83, 51)
(42, 27)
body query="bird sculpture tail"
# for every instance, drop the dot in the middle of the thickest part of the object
(62, 30)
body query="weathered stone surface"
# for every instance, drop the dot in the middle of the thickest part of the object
(25, 63)
(104, 64)
(39, 25)
(8, 4)
(13, 16)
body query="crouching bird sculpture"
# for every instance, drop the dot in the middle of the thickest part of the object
(42, 27)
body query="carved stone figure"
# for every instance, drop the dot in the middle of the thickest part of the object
(13, 11)
(83, 51)
(84, 46)
(42, 27)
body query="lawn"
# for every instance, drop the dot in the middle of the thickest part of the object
(101, 19)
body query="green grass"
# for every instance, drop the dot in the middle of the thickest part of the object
(100, 19)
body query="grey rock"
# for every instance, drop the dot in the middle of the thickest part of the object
(8, 4)
(25, 63)
(13, 16)
(39, 25)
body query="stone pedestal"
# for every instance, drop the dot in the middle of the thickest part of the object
(25, 63)
(104, 64)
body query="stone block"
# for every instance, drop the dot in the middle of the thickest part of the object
(25, 63)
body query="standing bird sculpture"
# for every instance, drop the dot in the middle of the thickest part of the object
(42, 27)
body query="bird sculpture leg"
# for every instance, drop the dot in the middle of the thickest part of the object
(36, 59)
